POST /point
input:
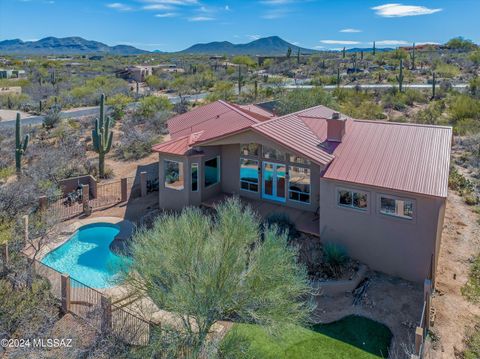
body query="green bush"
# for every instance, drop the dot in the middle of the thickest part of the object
(471, 290)
(459, 182)
(301, 99)
(461, 107)
(283, 223)
(472, 350)
(152, 104)
(335, 257)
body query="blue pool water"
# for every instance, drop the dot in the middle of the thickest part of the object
(86, 256)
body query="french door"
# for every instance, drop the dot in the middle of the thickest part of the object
(273, 180)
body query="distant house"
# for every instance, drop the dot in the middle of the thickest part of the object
(8, 74)
(377, 188)
(139, 73)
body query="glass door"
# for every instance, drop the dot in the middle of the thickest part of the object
(274, 182)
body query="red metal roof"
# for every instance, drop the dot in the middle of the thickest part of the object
(257, 111)
(215, 119)
(291, 132)
(406, 157)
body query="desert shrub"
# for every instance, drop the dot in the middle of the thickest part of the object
(467, 126)
(472, 343)
(462, 107)
(334, 257)
(136, 143)
(474, 86)
(52, 118)
(432, 115)
(118, 105)
(91, 167)
(152, 104)
(471, 290)
(301, 99)
(283, 224)
(447, 70)
(471, 199)
(459, 182)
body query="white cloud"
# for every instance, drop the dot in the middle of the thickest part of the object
(119, 6)
(227, 8)
(427, 43)
(167, 14)
(253, 37)
(400, 10)
(172, 2)
(318, 47)
(349, 30)
(276, 2)
(157, 7)
(392, 43)
(275, 14)
(201, 18)
(340, 42)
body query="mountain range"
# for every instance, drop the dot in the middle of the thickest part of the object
(64, 46)
(272, 45)
(266, 46)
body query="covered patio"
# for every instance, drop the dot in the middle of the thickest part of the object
(306, 221)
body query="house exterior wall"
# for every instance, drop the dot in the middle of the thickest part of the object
(397, 246)
(230, 182)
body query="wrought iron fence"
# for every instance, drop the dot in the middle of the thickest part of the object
(65, 207)
(108, 193)
(95, 308)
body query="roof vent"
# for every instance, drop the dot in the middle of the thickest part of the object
(335, 127)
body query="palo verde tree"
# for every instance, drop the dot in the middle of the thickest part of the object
(20, 147)
(203, 270)
(102, 137)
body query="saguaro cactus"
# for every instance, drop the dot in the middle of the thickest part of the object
(20, 147)
(412, 56)
(374, 49)
(400, 77)
(102, 137)
(434, 85)
(343, 53)
(338, 77)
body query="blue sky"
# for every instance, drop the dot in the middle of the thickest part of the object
(172, 25)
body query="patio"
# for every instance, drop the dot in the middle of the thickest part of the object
(306, 221)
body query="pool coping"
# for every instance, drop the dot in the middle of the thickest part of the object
(126, 229)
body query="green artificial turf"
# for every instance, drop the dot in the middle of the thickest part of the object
(350, 337)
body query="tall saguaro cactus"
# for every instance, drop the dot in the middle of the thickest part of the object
(20, 147)
(400, 77)
(412, 56)
(434, 85)
(102, 137)
(374, 49)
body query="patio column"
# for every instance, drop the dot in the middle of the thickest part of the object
(86, 199)
(65, 289)
(418, 339)
(143, 183)
(124, 190)
(106, 306)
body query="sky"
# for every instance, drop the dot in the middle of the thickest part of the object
(172, 25)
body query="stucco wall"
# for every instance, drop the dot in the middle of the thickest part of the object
(169, 198)
(396, 246)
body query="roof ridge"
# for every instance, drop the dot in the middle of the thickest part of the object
(393, 123)
(239, 111)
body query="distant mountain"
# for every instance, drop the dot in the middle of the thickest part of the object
(64, 46)
(369, 49)
(266, 46)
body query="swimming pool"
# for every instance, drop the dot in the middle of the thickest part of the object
(87, 257)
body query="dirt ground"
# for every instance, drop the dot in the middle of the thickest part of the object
(392, 301)
(454, 314)
(11, 114)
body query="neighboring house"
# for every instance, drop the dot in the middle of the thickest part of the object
(377, 188)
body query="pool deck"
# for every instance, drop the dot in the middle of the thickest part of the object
(67, 229)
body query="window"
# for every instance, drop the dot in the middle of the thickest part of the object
(273, 154)
(212, 171)
(299, 160)
(194, 177)
(353, 199)
(249, 175)
(396, 207)
(173, 174)
(299, 184)
(249, 149)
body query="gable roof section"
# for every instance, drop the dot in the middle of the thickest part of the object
(291, 132)
(178, 146)
(214, 119)
(406, 157)
(255, 110)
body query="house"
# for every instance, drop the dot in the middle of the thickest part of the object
(377, 188)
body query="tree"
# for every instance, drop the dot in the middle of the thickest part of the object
(203, 270)
(118, 104)
(460, 43)
(223, 90)
(247, 62)
(152, 104)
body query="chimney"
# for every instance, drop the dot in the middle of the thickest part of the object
(335, 127)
